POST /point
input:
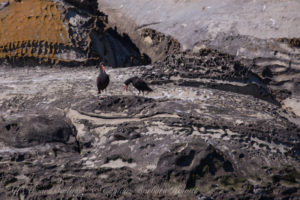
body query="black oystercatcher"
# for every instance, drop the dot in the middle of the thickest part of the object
(138, 83)
(102, 79)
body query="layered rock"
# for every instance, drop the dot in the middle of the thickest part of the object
(214, 128)
(252, 31)
(45, 32)
(179, 142)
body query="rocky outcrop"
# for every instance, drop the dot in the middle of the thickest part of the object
(212, 69)
(36, 130)
(251, 31)
(216, 125)
(229, 25)
(86, 32)
(68, 33)
(179, 142)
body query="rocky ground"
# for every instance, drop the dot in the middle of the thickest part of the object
(60, 139)
(223, 121)
(264, 33)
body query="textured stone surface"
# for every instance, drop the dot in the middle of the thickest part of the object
(35, 130)
(61, 32)
(199, 20)
(264, 33)
(220, 124)
(178, 142)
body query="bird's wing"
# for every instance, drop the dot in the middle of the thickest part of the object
(98, 80)
(142, 85)
(107, 79)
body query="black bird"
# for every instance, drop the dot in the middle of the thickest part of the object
(138, 83)
(102, 79)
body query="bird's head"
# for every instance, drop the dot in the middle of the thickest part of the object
(125, 87)
(102, 67)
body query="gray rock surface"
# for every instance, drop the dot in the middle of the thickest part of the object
(27, 131)
(177, 142)
(191, 21)
(263, 33)
(220, 124)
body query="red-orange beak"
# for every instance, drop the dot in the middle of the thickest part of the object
(102, 67)
(125, 87)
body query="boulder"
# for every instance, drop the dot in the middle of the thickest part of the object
(29, 131)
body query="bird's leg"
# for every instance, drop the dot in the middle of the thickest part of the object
(139, 92)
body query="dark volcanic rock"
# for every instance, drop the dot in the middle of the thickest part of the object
(213, 69)
(28, 131)
(179, 142)
(121, 103)
(192, 162)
